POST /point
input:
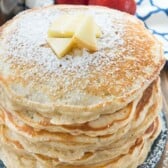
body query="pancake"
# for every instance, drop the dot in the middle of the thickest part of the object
(111, 121)
(15, 159)
(105, 124)
(119, 160)
(143, 105)
(139, 147)
(82, 85)
(77, 147)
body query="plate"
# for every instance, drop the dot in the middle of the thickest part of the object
(158, 146)
(157, 149)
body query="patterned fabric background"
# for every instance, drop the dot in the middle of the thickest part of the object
(154, 13)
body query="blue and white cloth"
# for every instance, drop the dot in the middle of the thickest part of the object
(154, 13)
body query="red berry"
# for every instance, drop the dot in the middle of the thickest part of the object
(127, 6)
(108, 3)
(82, 2)
(123, 5)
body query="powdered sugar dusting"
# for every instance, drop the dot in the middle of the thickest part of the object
(30, 39)
(71, 79)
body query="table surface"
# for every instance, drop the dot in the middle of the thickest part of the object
(164, 83)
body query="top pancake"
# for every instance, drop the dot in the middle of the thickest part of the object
(33, 78)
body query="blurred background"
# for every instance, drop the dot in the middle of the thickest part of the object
(9, 8)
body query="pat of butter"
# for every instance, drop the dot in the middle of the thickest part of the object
(85, 34)
(66, 25)
(70, 31)
(60, 46)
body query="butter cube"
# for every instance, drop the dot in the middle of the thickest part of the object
(85, 34)
(60, 46)
(66, 25)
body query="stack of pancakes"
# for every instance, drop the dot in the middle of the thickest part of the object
(86, 110)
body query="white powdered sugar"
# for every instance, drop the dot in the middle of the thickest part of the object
(28, 42)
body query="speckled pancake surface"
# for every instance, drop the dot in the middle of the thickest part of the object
(98, 109)
(81, 84)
